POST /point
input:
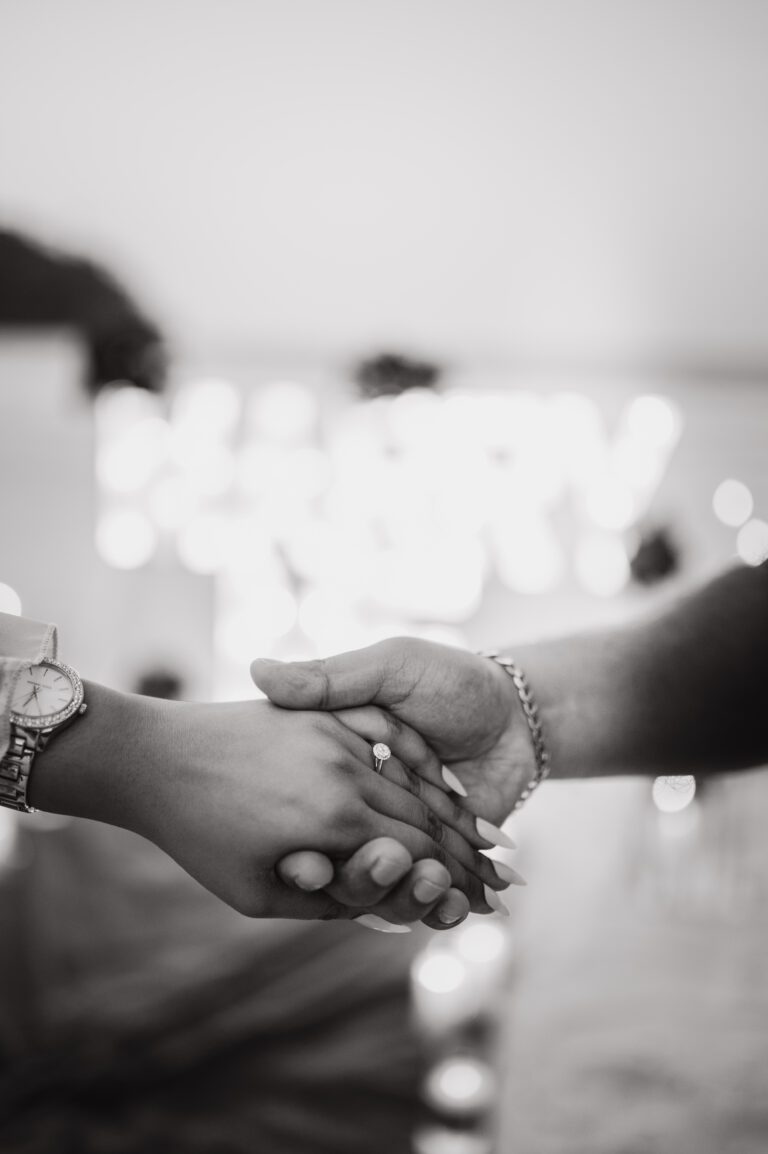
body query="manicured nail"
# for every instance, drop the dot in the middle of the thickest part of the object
(493, 834)
(494, 901)
(425, 890)
(386, 871)
(508, 875)
(452, 781)
(375, 923)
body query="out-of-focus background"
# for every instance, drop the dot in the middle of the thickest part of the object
(322, 322)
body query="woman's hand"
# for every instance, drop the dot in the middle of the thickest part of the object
(228, 790)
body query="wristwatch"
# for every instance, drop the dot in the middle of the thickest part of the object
(47, 698)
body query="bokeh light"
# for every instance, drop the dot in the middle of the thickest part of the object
(752, 542)
(439, 971)
(125, 538)
(481, 941)
(284, 411)
(460, 1085)
(441, 1140)
(207, 409)
(654, 420)
(732, 502)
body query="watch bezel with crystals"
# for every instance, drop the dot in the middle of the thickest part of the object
(52, 720)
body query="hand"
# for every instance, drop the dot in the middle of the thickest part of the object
(227, 790)
(464, 706)
(381, 879)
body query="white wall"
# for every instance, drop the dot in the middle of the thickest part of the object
(562, 178)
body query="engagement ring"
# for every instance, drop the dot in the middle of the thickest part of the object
(381, 752)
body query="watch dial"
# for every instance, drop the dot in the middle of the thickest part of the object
(42, 691)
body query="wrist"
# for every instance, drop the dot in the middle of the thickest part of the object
(103, 765)
(583, 688)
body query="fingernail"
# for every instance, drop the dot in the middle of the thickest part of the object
(375, 923)
(386, 871)
(308, 887)
(494, 901)
(493, 834)
(508, 875)
(448, 917)
(266, 661)
(425, 890)
(452, 781)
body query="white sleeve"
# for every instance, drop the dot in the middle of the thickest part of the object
(22, 642)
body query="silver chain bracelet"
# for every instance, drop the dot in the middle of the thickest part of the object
(531, 711)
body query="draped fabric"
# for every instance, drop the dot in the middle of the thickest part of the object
(139, 1014)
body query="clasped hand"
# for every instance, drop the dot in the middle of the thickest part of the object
(255, 785)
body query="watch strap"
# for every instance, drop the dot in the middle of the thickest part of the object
(15, 768)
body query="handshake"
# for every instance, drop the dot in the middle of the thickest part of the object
(276, 806)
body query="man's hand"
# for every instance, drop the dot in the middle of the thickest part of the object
(464, 706)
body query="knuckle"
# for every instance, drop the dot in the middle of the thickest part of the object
(434, 827)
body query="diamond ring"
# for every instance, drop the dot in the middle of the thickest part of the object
(381, 752)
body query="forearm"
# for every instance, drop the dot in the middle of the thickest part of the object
(686, 692)
(103, 765)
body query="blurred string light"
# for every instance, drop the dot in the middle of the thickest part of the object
(481, 941)
(207, 410)
(440, 972)
(732, 503)
(441, 1140)
(460, 1086)
(125, 538)
(404, 504)
(255, 623)
(10, 602)
(752, 542)
(673, 794)
(284, 412)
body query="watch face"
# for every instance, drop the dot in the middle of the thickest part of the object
(46, 694)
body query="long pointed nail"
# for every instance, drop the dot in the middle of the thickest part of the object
(493, 834)
(494, 901)
(375, 923)
(452, 781)
(508, 875)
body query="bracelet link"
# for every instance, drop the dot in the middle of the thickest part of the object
(533, 719)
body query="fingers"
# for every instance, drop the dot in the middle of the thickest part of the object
(348, 679)
(369, 875)
(382, 880)
(449, 912)
(373, 724)
(478, 832)
(402, 800)
(482, 896)
(417, 895)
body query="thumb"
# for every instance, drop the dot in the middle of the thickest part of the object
(349, 679)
